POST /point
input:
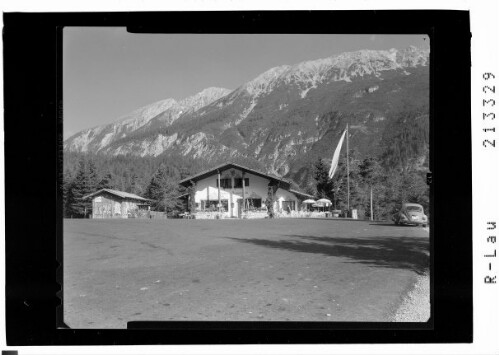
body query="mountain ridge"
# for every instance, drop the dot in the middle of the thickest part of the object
(291, 114)
(167, 111)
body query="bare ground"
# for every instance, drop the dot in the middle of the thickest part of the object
(416, 305)
(252, 270)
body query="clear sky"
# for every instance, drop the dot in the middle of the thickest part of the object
(108, 72)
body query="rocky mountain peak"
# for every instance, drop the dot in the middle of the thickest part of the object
(264, 82)
(285, 117)
(204, 98)
(144, 114)
(152, 116)
(341, 67)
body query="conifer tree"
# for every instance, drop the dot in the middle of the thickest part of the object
(339, 183)
(321, 176)
(135, 186)
(79, 190)
(84, 183)
(164, 191)
(372, 178)
(92, 176)
(67, 194)
(184, 172)
(107, 182)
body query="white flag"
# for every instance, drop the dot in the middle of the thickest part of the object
(336, 156)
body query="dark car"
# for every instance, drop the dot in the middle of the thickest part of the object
(411, 214)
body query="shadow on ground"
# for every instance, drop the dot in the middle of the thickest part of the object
(394, 225)
(410, 253)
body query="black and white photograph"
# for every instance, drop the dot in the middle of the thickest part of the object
(245, 177)
(229, 179)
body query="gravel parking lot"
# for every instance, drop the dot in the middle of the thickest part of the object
(238, 270)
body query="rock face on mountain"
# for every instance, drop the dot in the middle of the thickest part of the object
(288, 116)
(144, 119)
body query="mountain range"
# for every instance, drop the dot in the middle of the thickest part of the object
(288, 116)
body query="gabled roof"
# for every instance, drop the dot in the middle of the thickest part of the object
(227, 166)
(301, 193)
(121, 194)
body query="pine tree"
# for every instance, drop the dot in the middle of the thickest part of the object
(135, 186)
(84, 183)
(321, 176)
(164, 191)
(67, 194)
(107, 182)
(339, 187)
(184, 172)
(339, 184)
(371, 178)
(92, 176)
(79, 190)
(356, 193)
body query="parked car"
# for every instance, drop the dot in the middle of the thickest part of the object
(411, 213)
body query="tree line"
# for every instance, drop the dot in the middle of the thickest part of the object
(158, 179)
(155, 178)
(390, 186)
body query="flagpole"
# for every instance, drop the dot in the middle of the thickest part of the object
(334, 163)
(372, 218)
(348, 177)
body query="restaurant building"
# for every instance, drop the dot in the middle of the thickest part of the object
(234, 191)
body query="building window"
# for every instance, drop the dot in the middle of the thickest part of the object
(224, 183)
(288, 206)
(238, 183)
(253, 203)
(212, 205)
(225, 205)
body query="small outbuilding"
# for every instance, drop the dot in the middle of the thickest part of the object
(107, 203)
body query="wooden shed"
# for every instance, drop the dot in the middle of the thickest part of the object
(107, 203)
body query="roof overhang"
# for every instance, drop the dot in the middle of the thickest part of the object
(227, 166)
(101, 191)
(296, 192)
